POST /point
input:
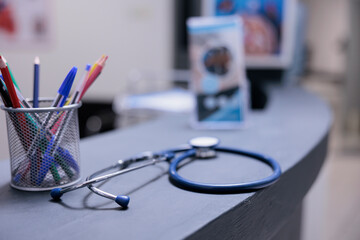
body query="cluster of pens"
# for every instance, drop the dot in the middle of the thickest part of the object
(43, 141)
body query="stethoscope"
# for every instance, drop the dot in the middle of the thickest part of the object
(200, 148)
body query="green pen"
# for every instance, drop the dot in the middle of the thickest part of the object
(43, 142)
(55, 173)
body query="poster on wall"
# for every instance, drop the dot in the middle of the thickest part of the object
(25, 24)
(268, 28)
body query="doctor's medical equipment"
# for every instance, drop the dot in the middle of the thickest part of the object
(198, 148)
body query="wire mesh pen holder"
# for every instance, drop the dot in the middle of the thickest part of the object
(44, 146)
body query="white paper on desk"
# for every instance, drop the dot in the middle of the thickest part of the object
(176, 100)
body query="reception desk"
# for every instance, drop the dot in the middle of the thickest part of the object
(293, 129)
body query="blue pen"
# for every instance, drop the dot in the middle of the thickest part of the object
(49, 157)
(65, 154)
(64, 89)
(46, 163)
(59, 101)
(36, 82)
(68, 87)
(63, 92)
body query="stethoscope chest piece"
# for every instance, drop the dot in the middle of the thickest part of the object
(204, 146)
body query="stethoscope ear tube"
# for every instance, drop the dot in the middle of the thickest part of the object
(187, 184)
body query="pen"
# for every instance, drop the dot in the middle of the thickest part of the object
(46, 163)
(52, 150)
(48, 151)
(68, 86)
(34, 159)
(59, 156)
(64, 89)
(62, 93)
(92, 77)
(81, 84)
(58, 102)
(32, 164)
(36, 82)
(64, 118)
(56, 141)
(57, 137)
(73, 99)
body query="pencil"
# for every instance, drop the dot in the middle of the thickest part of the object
(4, 94)
(36, 82)
(9, 84)
(11, 75)
(21, 121)
(96, 63)
(100, 65)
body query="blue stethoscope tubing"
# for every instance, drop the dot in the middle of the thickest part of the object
(175, 157)
(224, 188)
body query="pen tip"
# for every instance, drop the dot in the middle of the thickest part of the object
(37, 60)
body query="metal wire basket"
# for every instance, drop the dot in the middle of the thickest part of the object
(44, 146)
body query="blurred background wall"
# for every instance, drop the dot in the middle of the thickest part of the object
(136, 35)
(327, 34)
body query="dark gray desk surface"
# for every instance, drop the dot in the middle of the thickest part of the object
(293, 129)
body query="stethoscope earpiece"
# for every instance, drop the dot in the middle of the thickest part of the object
(56, 194)
(122, 200)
